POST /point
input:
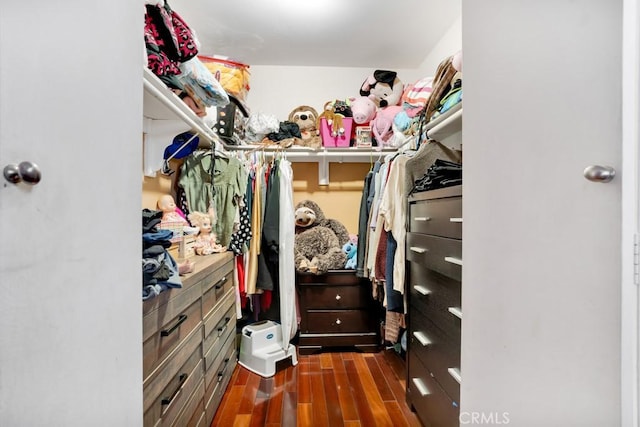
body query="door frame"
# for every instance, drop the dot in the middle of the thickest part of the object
(630, 303)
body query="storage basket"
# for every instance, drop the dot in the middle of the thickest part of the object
(234, 76)
(343, 140)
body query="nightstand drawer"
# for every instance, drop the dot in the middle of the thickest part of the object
(439, 352)
(437, 297)
(337, 321)
(432, 404)
(436, 253)
(324, 296)
(439, 217)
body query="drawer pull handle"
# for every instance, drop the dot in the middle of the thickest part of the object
(338, 321)
(456, 312)
(417, 249)
(221, 282)
(455, 219)
(422, 338)
(422, 218)
(223, 327)
(167, 332)
(168, 400)
(453, 260)
(455, 374)
(338, 297)
(421, 290)
(422, 388)
(221, 371)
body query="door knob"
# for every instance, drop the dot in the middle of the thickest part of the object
(598, 173)
(28, 172)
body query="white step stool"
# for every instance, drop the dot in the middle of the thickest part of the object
(261, 347)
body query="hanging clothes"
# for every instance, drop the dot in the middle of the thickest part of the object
(217, 184)
(286, 233)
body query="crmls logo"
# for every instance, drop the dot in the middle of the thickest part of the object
(486, 418)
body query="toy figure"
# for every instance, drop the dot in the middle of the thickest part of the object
(170, 212)
(206, 241)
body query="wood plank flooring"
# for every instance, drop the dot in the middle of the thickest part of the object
(347, 389)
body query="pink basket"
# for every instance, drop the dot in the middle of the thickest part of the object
(338, 140)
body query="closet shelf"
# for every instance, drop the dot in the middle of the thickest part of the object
(160, 103)
(325, 156)
(445, 125)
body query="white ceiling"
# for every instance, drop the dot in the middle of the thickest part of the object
(337, 33)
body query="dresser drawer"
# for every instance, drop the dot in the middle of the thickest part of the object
(337, 321)
(219, 322)
(171, 368)
(432, 404)
(218, 348)
(437, 297)
(180, 386)
(218, 376)
(439, 217)
(157, 346)
(193, 410)
(333, 277)
(440, 254)
(215, 286)
(439, 352)
(159, 312)
(335, 297)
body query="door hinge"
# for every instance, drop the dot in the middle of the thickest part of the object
(636, 260)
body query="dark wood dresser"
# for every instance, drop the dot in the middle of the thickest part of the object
(337, 310)
(434, 255)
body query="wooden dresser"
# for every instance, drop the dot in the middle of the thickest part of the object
(189, 345)
(337, 310)
(434, 255)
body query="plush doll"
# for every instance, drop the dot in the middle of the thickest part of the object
(363, 109)
(383, 87)
(318, 241)
(333, 119)
(382, 125)
(351, 251)
(306, 118)
(206, 241)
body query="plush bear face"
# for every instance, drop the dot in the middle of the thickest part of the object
(305, 216)
(305, 117)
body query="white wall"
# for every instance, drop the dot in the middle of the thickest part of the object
(278, 90)
(449, 44)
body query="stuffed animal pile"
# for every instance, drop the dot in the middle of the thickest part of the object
(319, 241)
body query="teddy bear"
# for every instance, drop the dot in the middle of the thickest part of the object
(306, 118)
(318, 241)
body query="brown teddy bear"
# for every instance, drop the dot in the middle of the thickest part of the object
(306, 117)
(318, 242)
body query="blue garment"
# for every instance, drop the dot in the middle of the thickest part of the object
(394, 298)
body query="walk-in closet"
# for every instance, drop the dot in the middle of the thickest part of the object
(331, 234)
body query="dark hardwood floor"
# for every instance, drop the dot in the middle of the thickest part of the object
(329, 389)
